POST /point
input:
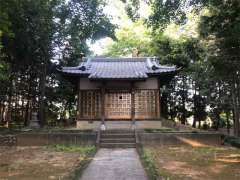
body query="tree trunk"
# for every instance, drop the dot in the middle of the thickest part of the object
(29, 99)
(194, 104)
(235, 108)
(217, 119)
(228, 122)
(238, 100)
(9, 108)
(42, 88)
(26, 115)
(184, 95)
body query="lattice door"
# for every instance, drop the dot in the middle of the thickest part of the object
(91, 104)
(118, 105)
(145, 104)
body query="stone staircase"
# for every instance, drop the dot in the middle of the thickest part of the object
(117, 138)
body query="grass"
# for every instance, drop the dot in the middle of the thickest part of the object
(83, 150)
(170, 130)
(186, 162)
(158, 130)
(6, 131)
(87, 153)
(13, 130)
(148, 161)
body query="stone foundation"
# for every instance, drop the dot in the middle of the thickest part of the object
(149, 124)
(95, 125)
(8, 140)
(44, 139)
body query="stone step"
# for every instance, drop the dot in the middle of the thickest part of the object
(117, 140)
(117, 136)
(117, 131)
(117, 145)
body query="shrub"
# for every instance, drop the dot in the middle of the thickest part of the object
(232, 140)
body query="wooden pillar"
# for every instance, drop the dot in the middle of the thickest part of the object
(132, 103)
(80, 105)
(103, 103)
(157, 104)
(78, 101)
(158, 99)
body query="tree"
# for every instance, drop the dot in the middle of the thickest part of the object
(219, 29)
(77, 21)
(131, 38)
(221, 26)
(42, 31)
(185, 89)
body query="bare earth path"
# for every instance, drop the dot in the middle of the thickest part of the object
(115, 164)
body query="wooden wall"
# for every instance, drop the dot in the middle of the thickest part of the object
(122, 100)
(118, 104)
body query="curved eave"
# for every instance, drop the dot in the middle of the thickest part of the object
(88, 75)
(73, 73)
(163, 72)
(118, 79)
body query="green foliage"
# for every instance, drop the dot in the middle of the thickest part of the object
(210, 64)
(149, 164)
(33, 34)
(189, 54)
(174, 39)
(83, 150)
(131, 37)
(78, 21)
(132, 8)
(3, 71)
(170, 51)
(162, 130)
(165, 11)
(222, 26)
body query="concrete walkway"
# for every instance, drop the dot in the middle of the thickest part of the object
(115, 164)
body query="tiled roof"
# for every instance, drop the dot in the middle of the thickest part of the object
(118, 68)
